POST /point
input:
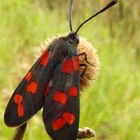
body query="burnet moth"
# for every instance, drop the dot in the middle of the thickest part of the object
(53, 83)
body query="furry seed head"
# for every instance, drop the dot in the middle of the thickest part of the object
(93, 63)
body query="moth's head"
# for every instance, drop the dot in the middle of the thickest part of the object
(73, 38)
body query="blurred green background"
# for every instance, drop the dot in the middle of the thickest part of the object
(112, 105)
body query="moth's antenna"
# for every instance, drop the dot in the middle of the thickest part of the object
(69, 15)
(113, 2)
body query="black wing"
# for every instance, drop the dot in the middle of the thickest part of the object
(28, 97)
(61, 107)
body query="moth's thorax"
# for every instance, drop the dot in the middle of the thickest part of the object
(64, 47)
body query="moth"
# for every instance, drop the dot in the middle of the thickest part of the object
(52, 83)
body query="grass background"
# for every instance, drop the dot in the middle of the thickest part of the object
(112, 105)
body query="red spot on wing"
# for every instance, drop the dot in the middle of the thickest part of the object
(45, 58)
(69, 118)
(28, 76)
(60, 97)
(67, 66)
(58, 124)
(20, 110)
(32, 87)
(18, 98)
(73, 91)
(76, 63)
(18, 101)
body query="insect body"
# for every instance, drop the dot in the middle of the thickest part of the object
(51, 83)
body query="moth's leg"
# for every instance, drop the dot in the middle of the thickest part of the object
(85, 133)
(85, 67)
(85, 57)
